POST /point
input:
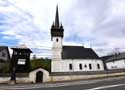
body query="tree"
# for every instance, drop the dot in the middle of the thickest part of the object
(43, 63)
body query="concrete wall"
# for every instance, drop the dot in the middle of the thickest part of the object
(4, 79)
(63, 65)
(18, 80)
(119, 64)
(84, 77)
(60, 77)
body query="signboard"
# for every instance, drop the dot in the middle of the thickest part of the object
(21, 61)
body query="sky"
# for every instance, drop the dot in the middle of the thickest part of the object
(99, 24)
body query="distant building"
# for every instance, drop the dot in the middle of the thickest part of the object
(116, 61)
(71, 58)
(4, 54)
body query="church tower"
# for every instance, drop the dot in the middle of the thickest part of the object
(57, 37)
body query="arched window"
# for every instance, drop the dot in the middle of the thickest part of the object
(90, 66)
(80, 66)
(98, 66)
(57, 39)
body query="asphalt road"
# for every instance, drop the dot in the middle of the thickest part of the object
(117, 83)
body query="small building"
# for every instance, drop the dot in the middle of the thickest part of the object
(21, 59)
(116, 61)
(4, 54)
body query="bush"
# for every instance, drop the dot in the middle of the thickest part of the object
(5, 67)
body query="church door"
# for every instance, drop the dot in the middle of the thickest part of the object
(39, 77)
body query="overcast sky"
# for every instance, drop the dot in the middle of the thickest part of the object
(99, 24)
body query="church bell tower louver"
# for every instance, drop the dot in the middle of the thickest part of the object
(57, 37)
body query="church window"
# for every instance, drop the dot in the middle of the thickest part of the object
(98, 66)
(57, 40)
(70, 66)
(80, 66)
(90, 66)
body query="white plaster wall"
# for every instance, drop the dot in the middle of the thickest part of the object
(57, 44)
(32, 75)
(57, 48)
(63, 65)
(119, 64)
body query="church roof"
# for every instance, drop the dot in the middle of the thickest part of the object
(78, 52)
(57, 18)
(57, 28)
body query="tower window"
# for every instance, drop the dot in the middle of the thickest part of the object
(90, 66)
(57, 40)
(80, 66)
(70, 66)
(98, 66)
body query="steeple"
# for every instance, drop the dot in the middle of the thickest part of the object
(57, 18)
(57, 28)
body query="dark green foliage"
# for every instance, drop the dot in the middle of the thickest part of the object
(43, 63)
(5, 67)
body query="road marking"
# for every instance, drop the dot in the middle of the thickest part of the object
(105, 87)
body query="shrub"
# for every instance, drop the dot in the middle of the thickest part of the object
(5, 67)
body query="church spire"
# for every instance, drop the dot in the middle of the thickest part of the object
(57, 28)
(57, 18)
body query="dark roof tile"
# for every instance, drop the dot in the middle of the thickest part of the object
(78, 52)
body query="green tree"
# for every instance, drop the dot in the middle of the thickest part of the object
(43, 63)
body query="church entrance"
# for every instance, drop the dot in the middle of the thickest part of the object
(39, 77)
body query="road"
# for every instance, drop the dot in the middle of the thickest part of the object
(116, 83)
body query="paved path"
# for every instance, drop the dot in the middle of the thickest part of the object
(99, 84)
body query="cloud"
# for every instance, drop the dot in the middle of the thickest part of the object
(94, 23)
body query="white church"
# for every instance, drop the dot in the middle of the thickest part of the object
(71, 58)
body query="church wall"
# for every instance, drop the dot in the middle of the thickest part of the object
(64, 65)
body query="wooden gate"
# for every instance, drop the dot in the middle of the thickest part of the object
(39, 77)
